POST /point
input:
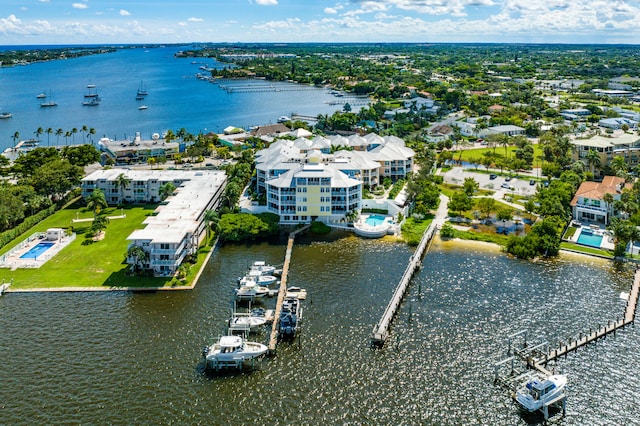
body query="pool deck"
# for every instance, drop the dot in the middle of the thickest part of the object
(13, 260)
(607, 240)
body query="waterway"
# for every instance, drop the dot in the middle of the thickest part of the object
(176, 99)
(124, 358)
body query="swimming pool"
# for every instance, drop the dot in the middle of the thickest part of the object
(35, 251)
(375, 220)
(588, 238)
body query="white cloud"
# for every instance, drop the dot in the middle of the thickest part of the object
(124, 12)
(44, 1)
(79, 6)
(192, 19)
(267, 2)
(330, 10)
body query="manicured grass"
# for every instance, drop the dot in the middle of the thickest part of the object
(467, 154)
(85, 263)
(585, 249)
(481, 236)
(571, 230)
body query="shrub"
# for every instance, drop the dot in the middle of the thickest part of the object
(318, 227)
(447, 231)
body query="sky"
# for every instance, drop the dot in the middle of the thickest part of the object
(28, 22)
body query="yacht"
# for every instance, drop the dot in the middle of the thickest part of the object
(142, 91)
(261, 267)
(48, 102)
(42, 95)
(246, 322)
(91, 102)
(143, 107)
(290, 317)
(5, 115)
(250, 290)
(539, 391)
(259, 278)
(232, 352)
(283, 119)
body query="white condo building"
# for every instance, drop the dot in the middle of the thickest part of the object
(319, 179)
(177, 226)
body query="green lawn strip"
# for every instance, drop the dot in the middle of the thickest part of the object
(85, 263)
(586, 250)
(481, 236)
(468, 154)
(571, 230)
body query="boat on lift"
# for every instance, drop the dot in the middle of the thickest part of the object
(539, 391)
(232, 352)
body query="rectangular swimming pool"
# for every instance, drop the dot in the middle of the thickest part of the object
(37, 250)
(375, 220)
(588, 238)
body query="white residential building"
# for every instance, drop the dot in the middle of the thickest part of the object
(177, 226)
(303, 180)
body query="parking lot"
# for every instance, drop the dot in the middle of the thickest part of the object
(519, 186)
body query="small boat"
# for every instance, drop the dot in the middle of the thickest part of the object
(41, 96)
(297, 292)
(290, 317)
(142, 91)
(4, 115)
(143, 107)
(539, 391)
(261, 279)
(261, 267)
(91, 102)
(283, 119)
(246, 322)
(250, 290)
(232, 352)
(48, 103)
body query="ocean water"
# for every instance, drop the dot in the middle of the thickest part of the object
(176, 99)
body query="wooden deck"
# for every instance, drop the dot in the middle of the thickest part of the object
(273, 339)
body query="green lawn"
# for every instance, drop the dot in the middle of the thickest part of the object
(85, 263)
(412, 229)
(467, 154)
(585, 249)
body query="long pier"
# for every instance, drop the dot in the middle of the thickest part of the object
(381, 330)
(273, 339)
(610, 328)
(262, 88)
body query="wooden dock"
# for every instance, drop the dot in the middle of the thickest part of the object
(273, 339)
(381, 330)
(584, 339)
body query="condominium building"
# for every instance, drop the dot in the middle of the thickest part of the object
(322, 178)
(177, 226)
(625, 145)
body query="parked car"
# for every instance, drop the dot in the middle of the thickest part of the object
(532, 182)
(507, 179)
(505, 185)
(492, 176)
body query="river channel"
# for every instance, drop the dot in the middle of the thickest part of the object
(125, 358)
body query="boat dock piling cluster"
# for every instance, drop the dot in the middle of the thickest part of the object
(381, 330)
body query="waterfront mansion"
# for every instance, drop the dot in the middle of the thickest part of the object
(177, 226)
(322, 178)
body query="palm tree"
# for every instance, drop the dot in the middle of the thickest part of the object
(15, 137)
(59, 133)
(619, 166)
(211, 221)
(152, 162)
(139, 256)
(122, 182)
(67, 135)
(166, 189)
(48, 132)
(73, 133)
(96, 201)
(91, 132)
(593, 160)
(84, 130)
(38, 132)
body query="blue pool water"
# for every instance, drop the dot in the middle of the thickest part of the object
(588, 238)
(375, 220)
(35, 251)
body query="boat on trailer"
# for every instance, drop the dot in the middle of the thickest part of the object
(246, 322)
(261, 267)
(232, 352)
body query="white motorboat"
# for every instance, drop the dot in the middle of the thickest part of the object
(5, 115)
(250, 290)
(246, 322)
(539, 391)
(261, 279)
(261, 267)
(232, 352)
(297, 292)
(143, 107)
(283, 119)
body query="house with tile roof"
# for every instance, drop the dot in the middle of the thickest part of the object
(588, 203)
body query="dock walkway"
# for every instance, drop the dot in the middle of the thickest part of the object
(381, 329)
(273, 339)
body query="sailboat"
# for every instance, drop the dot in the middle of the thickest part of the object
(142, 91)
(48, 102)
(92, 96)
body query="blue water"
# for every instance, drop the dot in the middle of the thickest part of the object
(375, 220)
(176, 98)
(35, 251)
(587, 238)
